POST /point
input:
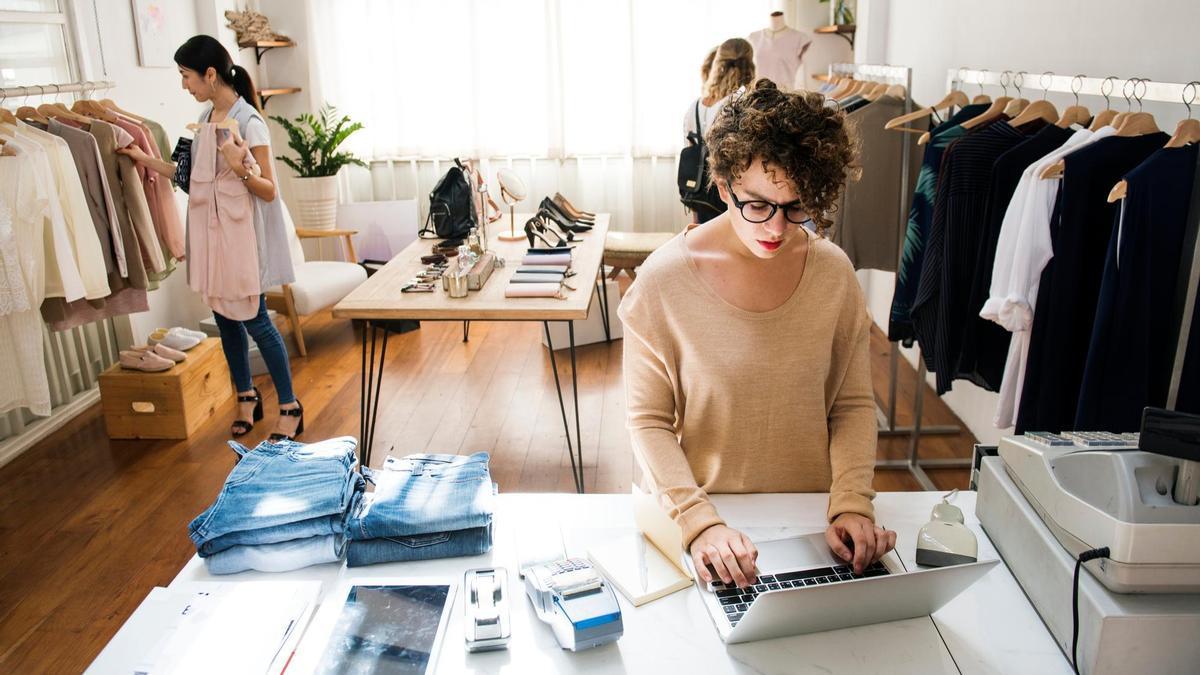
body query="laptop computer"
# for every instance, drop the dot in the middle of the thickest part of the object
(804, 588)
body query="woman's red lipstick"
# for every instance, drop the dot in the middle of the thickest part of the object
(770, 245)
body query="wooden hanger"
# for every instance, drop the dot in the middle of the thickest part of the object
(231, 125)
(1016, 106)
(996, 109)
(1103, 118)
(874, 91)
(1038, 110)
(1137, 124)
(954, 99)
(1187, 132)
(7, 116)
(26, 112)
(1075, 114)
(93, 109)
(60, 111)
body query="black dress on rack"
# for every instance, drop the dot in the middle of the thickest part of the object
(941, 308)
(1133, 338)
(985, 343)
(1070, 284)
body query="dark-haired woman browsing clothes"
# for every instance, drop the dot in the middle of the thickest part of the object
(236, 201)
(746, 341)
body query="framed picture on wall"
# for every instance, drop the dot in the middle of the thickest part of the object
(155, 25)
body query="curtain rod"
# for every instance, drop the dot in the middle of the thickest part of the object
(1132, 88)
(65, 88)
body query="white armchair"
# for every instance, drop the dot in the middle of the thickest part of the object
(319, 284)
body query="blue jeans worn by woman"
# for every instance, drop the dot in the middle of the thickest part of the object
(270, 345)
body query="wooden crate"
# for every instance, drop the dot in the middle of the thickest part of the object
(170, 404)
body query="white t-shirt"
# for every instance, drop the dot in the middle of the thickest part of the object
(1022, 252)
(777, 55)
(708, 114)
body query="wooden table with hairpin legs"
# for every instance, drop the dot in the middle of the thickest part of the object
(379, 299)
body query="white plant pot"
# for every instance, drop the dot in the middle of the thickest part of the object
(317, 199)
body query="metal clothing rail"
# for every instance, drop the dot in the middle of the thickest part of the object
(65, 88)
(887, 422)
(1133, 89)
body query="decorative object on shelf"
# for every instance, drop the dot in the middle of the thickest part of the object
(512, 191)
(155, 24)
(839, 14)
(252, 27)
(315, 140)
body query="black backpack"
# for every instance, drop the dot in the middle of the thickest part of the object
(451, 207)
(696, 190)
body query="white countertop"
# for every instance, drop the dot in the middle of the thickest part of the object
(990, 628)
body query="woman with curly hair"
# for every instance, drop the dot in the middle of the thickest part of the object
(746, 341)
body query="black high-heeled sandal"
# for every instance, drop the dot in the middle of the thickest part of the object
(298, 411)
(240, 428)
(549, 221)
(534, 229)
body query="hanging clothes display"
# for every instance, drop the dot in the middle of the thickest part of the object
(867, 222)
(940, 308)
(1129, 360)
(76, 233)
(920, 215)
(1070, 285)
(779, 55)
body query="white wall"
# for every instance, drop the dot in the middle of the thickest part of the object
(1097, 38)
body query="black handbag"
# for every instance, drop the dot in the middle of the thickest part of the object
(451, 207)
(182, 156)
(696, 189)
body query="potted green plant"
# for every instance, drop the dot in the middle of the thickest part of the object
(315, 140)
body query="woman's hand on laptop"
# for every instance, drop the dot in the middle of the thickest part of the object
(726, 551)
(858, 541)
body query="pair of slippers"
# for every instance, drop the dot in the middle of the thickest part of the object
(165, 348)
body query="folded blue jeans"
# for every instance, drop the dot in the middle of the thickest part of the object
(278, 487)
(452, 544)
(311, 527)
(280, 557)
(425, 494)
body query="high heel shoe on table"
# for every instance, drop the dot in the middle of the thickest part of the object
(550, 221)
(240, 428)
(570, 208)
(298, 411)
(562, 215)
(534, 230)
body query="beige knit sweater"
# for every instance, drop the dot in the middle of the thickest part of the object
(721, 399)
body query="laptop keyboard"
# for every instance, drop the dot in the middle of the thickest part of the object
(735, 601)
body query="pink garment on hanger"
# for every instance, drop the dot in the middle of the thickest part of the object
(223, 262)
(158, 191)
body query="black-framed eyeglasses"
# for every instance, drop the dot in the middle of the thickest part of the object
(760, 210)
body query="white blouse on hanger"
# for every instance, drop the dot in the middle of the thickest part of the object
(89, 256)
(22, 285)
(61, 273)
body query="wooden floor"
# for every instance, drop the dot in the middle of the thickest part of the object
(89, 525)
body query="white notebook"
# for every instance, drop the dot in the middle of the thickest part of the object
(619, 560)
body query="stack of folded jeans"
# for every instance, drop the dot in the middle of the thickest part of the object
(283, 507)
(423, 507)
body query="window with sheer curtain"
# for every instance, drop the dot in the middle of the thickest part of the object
(520, 78)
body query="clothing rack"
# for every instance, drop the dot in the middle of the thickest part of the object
(66, 88)
(887, 422)
(73, 358)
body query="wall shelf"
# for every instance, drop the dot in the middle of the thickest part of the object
(261, 47)
(844, 30)
(265, 95)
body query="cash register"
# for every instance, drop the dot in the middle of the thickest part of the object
(1123, 509)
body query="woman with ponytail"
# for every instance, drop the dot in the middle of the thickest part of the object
(726, 69)
(210, 76)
